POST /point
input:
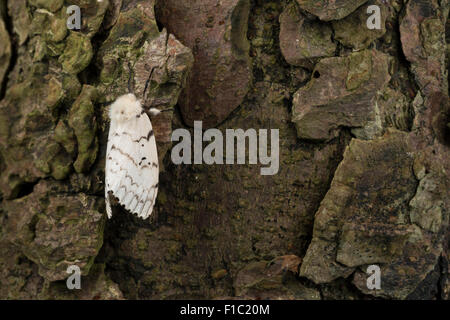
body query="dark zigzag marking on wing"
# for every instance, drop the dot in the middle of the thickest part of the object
(124, 154)
(147, 137)
(126, 175)
(152, 201)
(155, 186)
(126, 190)
(137, 165)
(126, 193)
(150, 165)
(135, 196)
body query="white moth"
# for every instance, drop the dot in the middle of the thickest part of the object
(131, 173)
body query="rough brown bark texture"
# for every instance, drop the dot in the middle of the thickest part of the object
(364, 122)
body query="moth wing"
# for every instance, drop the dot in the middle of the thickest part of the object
(132, 169)
(110, 174)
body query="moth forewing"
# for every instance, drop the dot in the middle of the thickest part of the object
(132, 170)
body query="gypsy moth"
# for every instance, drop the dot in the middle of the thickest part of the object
(131, 172)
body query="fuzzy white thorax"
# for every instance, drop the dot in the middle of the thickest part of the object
(125, 108)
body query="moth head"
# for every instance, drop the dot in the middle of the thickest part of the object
(125, 108)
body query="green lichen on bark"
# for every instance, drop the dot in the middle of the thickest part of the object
(83, 122)
(77, 54)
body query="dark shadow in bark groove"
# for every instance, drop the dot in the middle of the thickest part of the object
(14, 55)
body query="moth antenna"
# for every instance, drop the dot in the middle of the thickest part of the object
(130, 79)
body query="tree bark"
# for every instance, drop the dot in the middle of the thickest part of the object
(364, 124)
